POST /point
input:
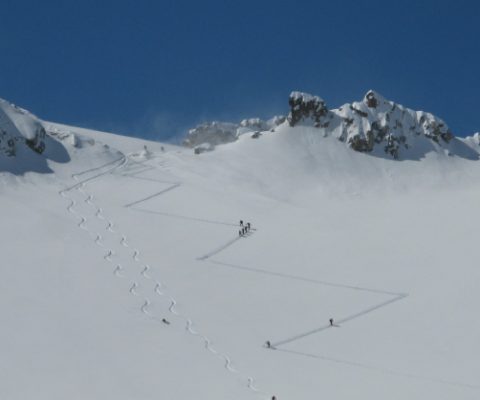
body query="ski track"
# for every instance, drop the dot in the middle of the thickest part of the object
(80, 185)
(382, 370)
(117, 270)
(219, 249)
(304, 279)
(110, 226)
(396, 297)
(109, 255)
(132, 289)
(144, 270)
(227, 362)
(337, 322)
(206, 257)
(184, 217)
(121, 163)
(174, 186)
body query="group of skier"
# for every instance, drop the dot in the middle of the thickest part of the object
(244, 228)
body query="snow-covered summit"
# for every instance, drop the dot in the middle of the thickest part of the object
(373, 124)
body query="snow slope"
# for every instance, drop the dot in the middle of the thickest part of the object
(122, 236)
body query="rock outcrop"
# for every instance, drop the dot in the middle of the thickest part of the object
(213, 133)
(304, 106)
(368, 125)
(206, 136)
(18, 127)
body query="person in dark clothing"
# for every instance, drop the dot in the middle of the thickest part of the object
(248, 225)
(165, 321)
(331, 321)
(241, 223)
(268, 345)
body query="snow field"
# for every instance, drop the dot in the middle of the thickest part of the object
(386, 249)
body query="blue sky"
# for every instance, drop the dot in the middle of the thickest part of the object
(156, 68)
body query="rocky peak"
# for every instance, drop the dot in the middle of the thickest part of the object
(371, 99)
(304, 107)
(373, 124)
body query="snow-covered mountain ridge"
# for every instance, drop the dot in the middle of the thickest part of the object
(373, 125)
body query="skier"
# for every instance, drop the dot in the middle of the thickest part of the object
(268, 345)
(241, 223)
(165, 321)
(248, 225)
(331, 321)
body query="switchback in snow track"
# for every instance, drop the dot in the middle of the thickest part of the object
(394, 297)
(145, 292)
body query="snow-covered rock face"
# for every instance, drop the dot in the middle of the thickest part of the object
(206, 136)
(18, 128)
(305, 107)
(371, 125)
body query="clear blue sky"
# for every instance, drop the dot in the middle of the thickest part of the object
(155, 68)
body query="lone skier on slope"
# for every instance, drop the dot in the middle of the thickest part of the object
(331, 321)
